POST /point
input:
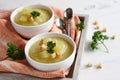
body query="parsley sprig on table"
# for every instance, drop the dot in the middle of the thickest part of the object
(80, 26)
(51, 46)
(98, 38)
(35, 14)
(14, 52)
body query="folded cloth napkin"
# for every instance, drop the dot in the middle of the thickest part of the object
(8, 34)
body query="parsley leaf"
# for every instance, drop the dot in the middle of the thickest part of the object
(50, 45)
(80, 26)
(98, 38)
(14, 52)
(35, 14)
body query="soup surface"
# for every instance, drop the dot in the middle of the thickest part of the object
(50, 50)
(32, 16)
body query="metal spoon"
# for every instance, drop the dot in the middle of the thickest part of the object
(68, 15)
(61, 25)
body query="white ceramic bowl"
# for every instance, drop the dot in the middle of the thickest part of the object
(51, 66)
(31, 31)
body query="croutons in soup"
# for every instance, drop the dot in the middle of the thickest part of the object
(50, 50)
(32, 16)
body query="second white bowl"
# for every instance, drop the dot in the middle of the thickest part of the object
(30, 31)
(66, 63)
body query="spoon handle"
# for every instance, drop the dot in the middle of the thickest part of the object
(68, 27)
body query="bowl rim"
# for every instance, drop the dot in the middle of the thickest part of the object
(51, 33)
(17, 10)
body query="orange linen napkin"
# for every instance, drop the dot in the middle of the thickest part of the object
(8, 34)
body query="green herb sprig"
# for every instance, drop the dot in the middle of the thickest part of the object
(99, 38)
(35, 14)
(51, 46)
(80, 26)
(14, 52)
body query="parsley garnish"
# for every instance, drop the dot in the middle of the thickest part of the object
(14, 52)
(80, 25)
(98, 38)
(50, 45)
(35, 14)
